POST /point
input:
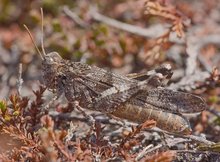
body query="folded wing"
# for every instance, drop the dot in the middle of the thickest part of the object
(173, 101)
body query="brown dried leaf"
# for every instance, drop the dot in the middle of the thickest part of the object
(179, 20)
(47, 121)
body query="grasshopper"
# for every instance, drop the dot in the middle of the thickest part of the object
(127, 97)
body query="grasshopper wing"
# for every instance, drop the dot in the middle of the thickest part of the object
(173, 101)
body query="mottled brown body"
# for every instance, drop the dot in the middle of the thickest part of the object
(131, 99)
(127, 97)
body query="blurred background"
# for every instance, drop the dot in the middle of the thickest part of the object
(182, 33)
(123, 36)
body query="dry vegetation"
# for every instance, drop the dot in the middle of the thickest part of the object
(125, 37)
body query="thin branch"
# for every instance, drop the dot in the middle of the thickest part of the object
(143, 152)
(19, 80)
(149, 151)
(192, 137)
(75, 17)
(144, 32)
(151, 32)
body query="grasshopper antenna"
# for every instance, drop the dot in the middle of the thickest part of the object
(42, 31)
(32, 39)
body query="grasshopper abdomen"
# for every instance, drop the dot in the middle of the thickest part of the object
(167, 121)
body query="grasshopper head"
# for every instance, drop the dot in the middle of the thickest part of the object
(51, 61)
(50, 68)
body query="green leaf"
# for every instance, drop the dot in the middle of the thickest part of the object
(99, 42)
(16, 113)
(104, 29)
(78, 54)
(56, 26)
(217, 121)
(3, 106)
(213, 99)
(7, 118)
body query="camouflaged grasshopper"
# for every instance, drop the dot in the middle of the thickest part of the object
(126, 97)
